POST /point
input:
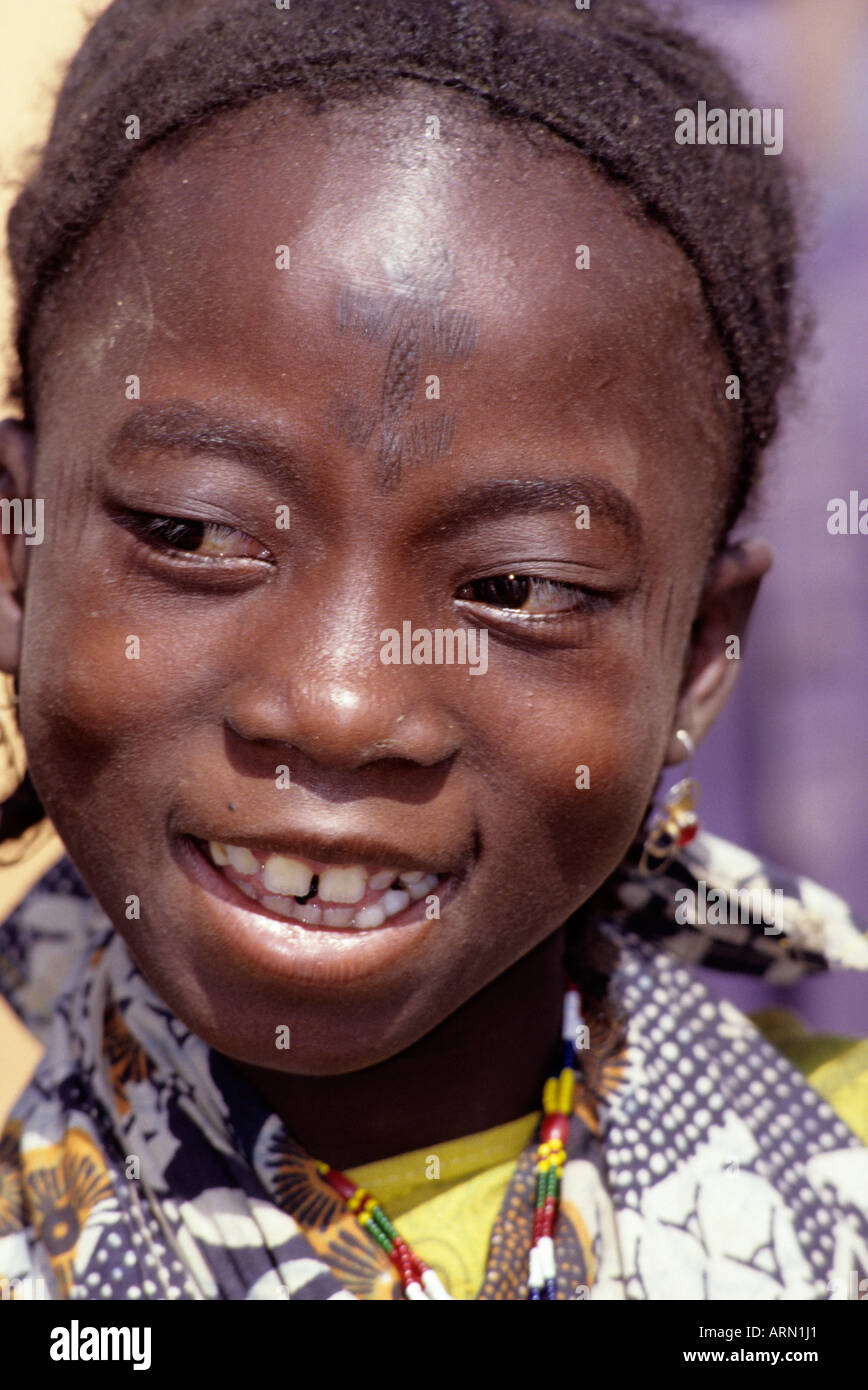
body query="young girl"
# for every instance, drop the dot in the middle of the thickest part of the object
(392, 378)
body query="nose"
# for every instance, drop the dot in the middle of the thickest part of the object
(329, 695)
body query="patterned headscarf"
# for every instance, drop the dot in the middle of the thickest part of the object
(139, 1164)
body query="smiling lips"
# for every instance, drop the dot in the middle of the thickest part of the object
(355, 897)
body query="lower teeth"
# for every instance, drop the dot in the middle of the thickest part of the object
(372, 916)
(394, 899)
(337, 916)
(302, 912)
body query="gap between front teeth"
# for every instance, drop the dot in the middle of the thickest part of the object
(287, 880)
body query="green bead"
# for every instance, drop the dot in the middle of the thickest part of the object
(383, 1222)
(378, 1236)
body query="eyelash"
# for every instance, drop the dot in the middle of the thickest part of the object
(159, 532)
(586, 601)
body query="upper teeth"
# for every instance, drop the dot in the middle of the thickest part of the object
(289, 877)
(384, 879)
(242, 859)
(343, 885)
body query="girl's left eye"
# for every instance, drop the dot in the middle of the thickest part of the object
(210, 540)
(528, 593)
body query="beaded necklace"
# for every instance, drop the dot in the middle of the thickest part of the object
(418, 1280)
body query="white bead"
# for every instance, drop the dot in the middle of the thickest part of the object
(546, 1249)
(433, 1287)
(416, 1293)
(572, 1016)
(535, 1279)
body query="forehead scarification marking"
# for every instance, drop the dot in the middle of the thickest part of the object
(424, 442)
(402, 368)
(450, 333)
(350, 420)
(428, 439)
(421, 327)
(362, 310)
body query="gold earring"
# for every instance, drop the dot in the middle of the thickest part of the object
(676, 822)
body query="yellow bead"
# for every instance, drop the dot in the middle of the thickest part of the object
(550, 1095)
(566, 1089)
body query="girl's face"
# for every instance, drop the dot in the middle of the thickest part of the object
(394, 420)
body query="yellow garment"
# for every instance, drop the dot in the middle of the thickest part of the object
(448, 1220)
(444, 1199)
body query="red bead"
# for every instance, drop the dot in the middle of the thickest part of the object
(344, 1186)
(688, 833)
(555, 1126)
(404, 1258)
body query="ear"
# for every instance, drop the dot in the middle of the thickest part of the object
(717, 640)
(16, 476)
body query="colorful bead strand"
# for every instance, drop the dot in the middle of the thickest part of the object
(558, 1094)
(419, 1282)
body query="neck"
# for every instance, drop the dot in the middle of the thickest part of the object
(482, 1066)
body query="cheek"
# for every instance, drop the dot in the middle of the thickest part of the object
(106, 684)
(573, 767)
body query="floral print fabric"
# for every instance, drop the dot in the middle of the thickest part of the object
(139, 1164)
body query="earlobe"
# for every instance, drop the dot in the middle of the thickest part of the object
(718, 638)
(16, 473)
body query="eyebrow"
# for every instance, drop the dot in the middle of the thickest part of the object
(505, 497)
(184, 426)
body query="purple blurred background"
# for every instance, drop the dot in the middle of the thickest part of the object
(785, 771)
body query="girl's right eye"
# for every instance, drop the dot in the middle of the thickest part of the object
(201, 540)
